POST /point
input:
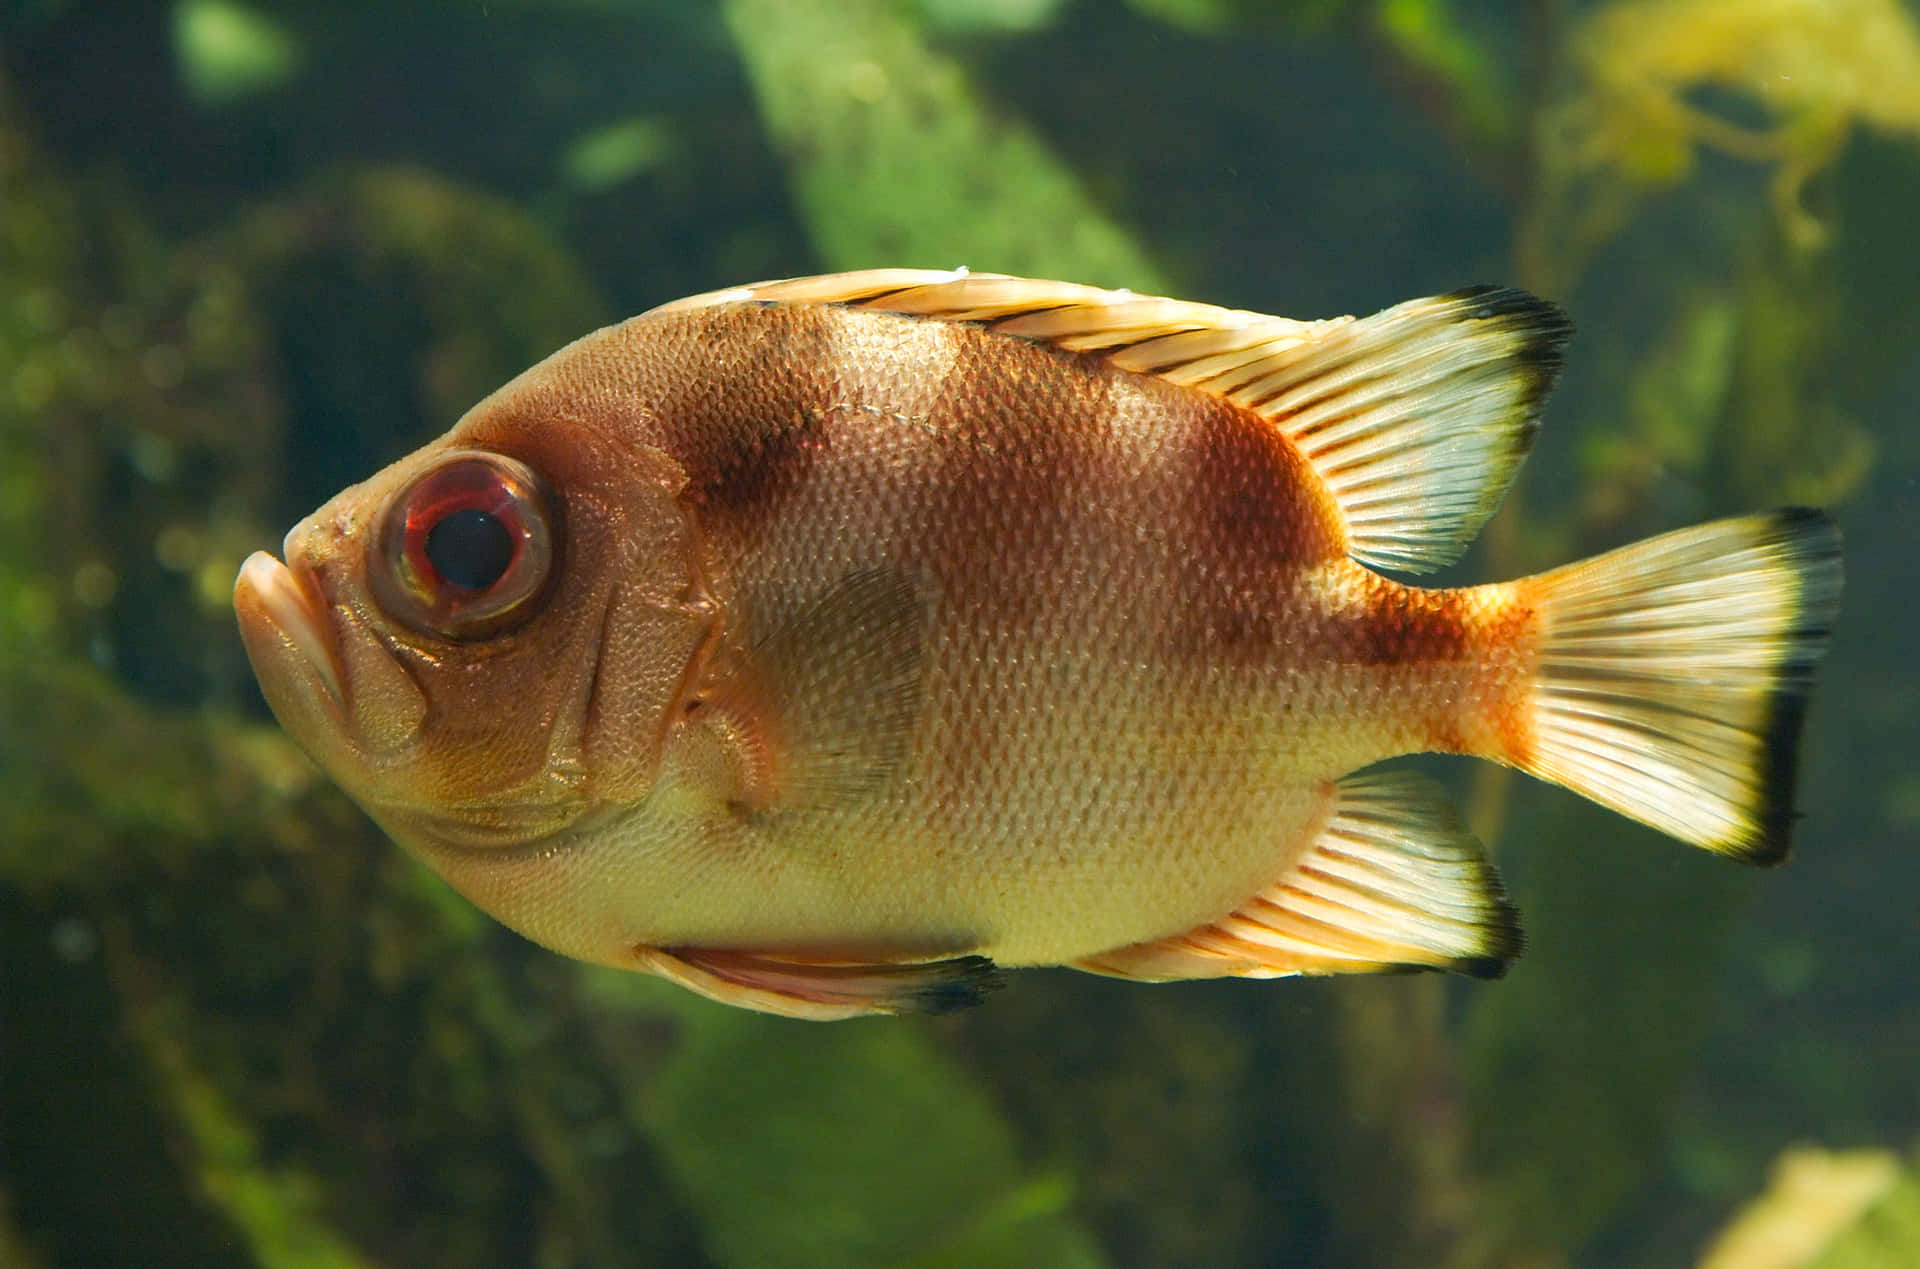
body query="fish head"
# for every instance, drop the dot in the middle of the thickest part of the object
(482, 643)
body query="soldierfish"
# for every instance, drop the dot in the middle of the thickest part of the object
(822, 644)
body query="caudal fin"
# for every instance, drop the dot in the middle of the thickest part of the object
(1674, 674)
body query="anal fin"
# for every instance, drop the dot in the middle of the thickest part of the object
(1392, 881)
(823, 991)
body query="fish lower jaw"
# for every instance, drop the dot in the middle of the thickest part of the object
(270, 592)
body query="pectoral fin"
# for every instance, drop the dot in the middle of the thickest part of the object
(822, 710)
(795, 987)
(1392, 881)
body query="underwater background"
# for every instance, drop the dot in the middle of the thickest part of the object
(252, 250)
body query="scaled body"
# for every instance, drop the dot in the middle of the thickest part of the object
(831, 636)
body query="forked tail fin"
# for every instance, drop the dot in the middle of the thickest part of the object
(1673, 675)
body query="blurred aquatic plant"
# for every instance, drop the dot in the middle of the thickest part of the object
(895, 159)
(616, 152)
(1427, 36)
(1574, 1064)
(279, 1210)
(496, 292)
(1822, 1209)
(861, 1146)
(1734, 395)
(15, 1252)
(1778, 82)
(1204, 16)
(1885, 1236)
(1001, 16)
(228, 51)
(125, 368)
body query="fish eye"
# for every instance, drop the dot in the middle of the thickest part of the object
(470, 548)
(466, 548)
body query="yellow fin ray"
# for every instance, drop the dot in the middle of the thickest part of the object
(1393, 880)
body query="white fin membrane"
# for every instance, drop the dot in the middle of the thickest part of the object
(1674, 673)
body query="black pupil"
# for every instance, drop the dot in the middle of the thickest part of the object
(470, 549)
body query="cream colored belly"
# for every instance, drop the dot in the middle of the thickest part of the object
(1056, 805)
(1087, 894)
(1049, 872)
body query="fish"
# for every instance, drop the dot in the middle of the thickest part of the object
(829, 645)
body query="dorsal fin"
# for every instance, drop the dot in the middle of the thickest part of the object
(1392, 881)
(1416, 417)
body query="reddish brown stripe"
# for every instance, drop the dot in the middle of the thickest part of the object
(755, 476)
(1254, 518)
(1253, 491)
(1025, 454)
(1405, 625)
(1511, 635)
(755, 422)
(1505, 628)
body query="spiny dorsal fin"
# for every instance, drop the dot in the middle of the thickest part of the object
(1417, 417)
(1393, 881)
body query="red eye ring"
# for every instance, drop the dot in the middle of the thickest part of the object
(466, 547)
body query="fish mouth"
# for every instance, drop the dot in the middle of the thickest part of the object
(283, 605)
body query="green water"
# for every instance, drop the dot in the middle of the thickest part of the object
(250, 252)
